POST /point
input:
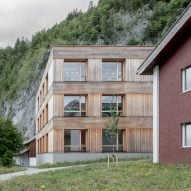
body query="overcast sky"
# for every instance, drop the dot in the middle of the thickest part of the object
(26, 17)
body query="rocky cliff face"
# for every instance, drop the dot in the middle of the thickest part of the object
(22, 110)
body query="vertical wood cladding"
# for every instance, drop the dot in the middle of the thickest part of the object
(136, 92)
(94, 105)
(139, 104)
(58, 70)
(94, 140)
(131, 66)
(58, 140)
(138, 140)
(58, 105)
(94, 69)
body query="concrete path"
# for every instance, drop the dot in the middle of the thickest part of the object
(31, 171)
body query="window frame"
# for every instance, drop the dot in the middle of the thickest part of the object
(113, 62)
(183, 75)
(79, 148)
(117, 105)
(80, 111)
(184, 126)
(80, 74)
(118, 147)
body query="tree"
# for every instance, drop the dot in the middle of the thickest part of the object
(11, 141)
(91, 6)
(112, 127)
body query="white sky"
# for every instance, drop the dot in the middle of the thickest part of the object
(26, 17)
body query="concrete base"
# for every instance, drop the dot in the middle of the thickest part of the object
(61, 157)
(32, 161)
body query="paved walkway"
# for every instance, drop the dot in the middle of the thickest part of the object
(31, 171)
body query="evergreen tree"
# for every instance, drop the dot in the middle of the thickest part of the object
(11, 141)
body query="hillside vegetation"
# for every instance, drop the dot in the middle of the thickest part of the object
(113, 22)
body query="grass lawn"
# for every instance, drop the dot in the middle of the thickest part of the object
(5, 170)
(67, 163)
(139, 175)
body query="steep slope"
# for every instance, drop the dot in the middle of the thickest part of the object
(111, 22)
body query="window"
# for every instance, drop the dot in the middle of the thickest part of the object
(46, 84)
(112, 71)
(111, 104)
(74, 71)
(186, 79)
(108, 144)
(74, 106)
(186, 135)
(74, 140)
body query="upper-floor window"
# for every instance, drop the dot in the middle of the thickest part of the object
(74, 71)
(111, 71)
(186, 79)
(111, 104)
(74, 106)
(186, 135)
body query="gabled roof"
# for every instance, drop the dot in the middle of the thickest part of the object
(168, 43)
(29, 140)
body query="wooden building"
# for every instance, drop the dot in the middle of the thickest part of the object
(79, 85)
(170, 64)
(27, 157)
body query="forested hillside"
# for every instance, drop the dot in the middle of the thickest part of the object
(116, 22)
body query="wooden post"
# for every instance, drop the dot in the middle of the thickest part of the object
(108, 161)
(116, 160)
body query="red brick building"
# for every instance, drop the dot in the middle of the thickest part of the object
(170, 64)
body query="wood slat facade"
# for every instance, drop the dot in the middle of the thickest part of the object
(135, 91)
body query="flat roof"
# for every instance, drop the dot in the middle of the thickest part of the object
(97, 51)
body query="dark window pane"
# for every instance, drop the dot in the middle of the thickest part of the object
(120, 136)
(83, 140)
(108, 143)
(106, 140)
(111, 104)
(72, 114)
(120, 107)
(83, 114)
(67, 137)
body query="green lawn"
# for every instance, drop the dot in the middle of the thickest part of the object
(139, 175)
(5, 170)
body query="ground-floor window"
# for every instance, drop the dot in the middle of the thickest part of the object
(74, 140)
(108, 145)
(186, 135)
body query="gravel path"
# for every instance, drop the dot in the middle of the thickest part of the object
(31, 171)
